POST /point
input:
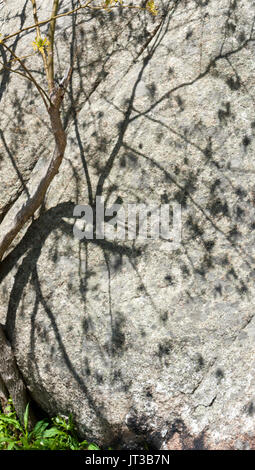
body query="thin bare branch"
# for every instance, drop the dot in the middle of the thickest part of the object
(39, 88)
(41, 23)
(38, 34)
(68, 13)
(51, 46)
(15, 71)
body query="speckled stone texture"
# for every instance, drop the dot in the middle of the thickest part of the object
(138, 342)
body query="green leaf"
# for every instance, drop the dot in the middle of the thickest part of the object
(12, 421)
(6, 439)
(52, 432)
(26, 415)
(39, 429)
(93, 447)
(11, 446)
(84, 443)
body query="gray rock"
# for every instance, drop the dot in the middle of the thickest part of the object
(138, 341)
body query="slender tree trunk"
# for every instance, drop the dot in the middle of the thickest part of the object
(11, 226)
(11, 382)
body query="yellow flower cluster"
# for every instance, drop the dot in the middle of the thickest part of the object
(39, 44)
(151, 7)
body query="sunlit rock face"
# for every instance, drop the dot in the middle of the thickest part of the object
(140, 339)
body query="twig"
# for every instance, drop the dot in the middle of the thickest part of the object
(50, 64)
(38, 33)
(15, 71)
(39, 88)
(68, 13)
(41, 23)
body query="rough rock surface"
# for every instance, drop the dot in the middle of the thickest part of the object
(137, 341)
